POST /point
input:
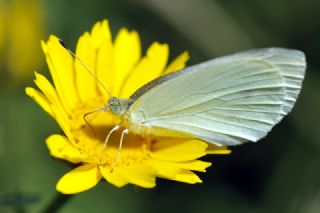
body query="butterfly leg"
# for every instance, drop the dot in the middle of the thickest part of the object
(109, 134)
(124, 132)
(115, 128)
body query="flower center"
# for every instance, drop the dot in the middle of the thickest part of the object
(90, 137)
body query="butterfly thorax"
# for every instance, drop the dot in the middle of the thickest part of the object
(120, 107)
(135, 124)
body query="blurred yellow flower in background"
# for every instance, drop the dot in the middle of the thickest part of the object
(120, 66)
(21, 28)
(2, 29)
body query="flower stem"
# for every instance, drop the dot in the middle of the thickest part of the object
(57, 203)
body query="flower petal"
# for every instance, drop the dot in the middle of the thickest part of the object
(219, 150)
(60, 147)
(63, 122)
(164, 169)
(178, 63)
(85, 83)
(115, 177)
(187, 176)
(80, 179)
(58, 111)
(47, 89)
(141, 175)
(40, 99)
(149, 68)
(171, 167)
(100, 32)
(96, 52)
(60, 64)
(101, 37)
(195, 165)
(127, 52)
(178, 150)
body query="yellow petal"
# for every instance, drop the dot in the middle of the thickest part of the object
(60, 147)
(195, 165)
(60, 64)
(44, 47)
(101, 37)
(187, 176)
(149, 68)
(63, 122)
(178, 63)
(178, 150)
(220, 150)
(105, 68)
(85, 83)
(58, 111)
(164, 169)
(104, 58)
(114, 177)
(100, 32)
(140, 175)
(40, 99)
(47, 89)
(79, 180)
(127, 52)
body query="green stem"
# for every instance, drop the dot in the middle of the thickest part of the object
(57, 203)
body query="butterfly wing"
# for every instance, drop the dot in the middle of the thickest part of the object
(225, 101)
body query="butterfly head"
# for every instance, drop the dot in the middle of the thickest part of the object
(118, 106)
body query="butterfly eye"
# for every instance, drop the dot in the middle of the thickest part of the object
(115, 109)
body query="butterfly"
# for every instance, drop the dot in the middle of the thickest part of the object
(225, 101)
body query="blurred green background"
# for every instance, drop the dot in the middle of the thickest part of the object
(278, 174)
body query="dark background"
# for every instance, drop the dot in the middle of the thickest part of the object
(278, 174)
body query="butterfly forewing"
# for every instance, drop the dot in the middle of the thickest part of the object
(225, 101)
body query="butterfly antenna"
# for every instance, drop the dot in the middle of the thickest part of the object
(85, 118)
(65, 46)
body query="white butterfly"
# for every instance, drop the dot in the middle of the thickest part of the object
(225, 101)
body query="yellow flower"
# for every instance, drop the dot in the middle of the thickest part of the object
(21, 28)
(120, 66)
